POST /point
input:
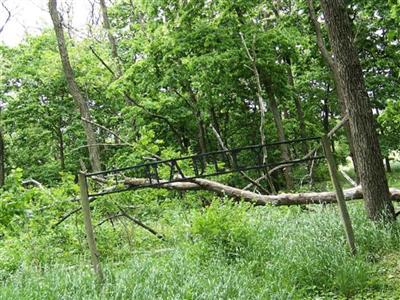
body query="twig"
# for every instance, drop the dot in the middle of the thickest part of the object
(8, 16)
(102, 61)
(138, 222)
(110, 218)
(104, 128)
(66, 216)
(101, 144)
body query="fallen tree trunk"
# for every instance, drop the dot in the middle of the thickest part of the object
(237, 194)
(254, 198)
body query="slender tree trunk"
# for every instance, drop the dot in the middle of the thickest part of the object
(94, 152)
(299, 109)
(215, 121)
(342, 105)
(111, 38)
(363, 132)
(201, 129)
(61, 147)
(202, 135)
(285, 154)
(261, 105)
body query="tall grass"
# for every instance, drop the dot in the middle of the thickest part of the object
(231, 252)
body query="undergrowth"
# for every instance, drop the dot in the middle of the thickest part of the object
(224, 251)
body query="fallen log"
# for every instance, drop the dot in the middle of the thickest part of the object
(254, 198)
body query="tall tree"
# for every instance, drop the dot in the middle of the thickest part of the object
(331, 63)
(94, 152)
(362, 127)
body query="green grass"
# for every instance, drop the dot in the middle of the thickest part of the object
(223, 252)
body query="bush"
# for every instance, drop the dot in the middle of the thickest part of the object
(223, 228)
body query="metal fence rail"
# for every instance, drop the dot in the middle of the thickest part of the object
(204, 165)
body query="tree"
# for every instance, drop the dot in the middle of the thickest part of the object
(94, 152)
(363, 131)
(330, 62)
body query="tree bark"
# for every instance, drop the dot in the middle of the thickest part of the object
(331, 63)
(362, 127)
(94, 152)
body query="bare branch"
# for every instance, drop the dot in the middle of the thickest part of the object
(66, 216)
(102, 61)
(104, 128)
(114, 216)
(8, 18)
(141, 224)
(102, 144)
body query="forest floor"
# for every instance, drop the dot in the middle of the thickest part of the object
(224, 251)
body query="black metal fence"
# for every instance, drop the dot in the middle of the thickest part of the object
(160, 172)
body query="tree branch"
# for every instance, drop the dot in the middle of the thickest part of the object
(102, 61)
(8, 16)
(320, 42)
(106, 129)
(141, 224)
(102, 144)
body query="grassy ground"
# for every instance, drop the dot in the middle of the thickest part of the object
(224, 251)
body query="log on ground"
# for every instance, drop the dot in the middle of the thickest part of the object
(258, 199)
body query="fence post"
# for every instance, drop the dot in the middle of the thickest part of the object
(339, 194)
(89, 227)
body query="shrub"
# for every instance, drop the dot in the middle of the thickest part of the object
(223, 228)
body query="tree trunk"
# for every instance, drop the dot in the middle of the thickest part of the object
(285, 154)
(111, 38)
(94, 152)
(254, 198)
(215, 121)
(363, 132)
(61, 146)
(336, 78)
(299, 109)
